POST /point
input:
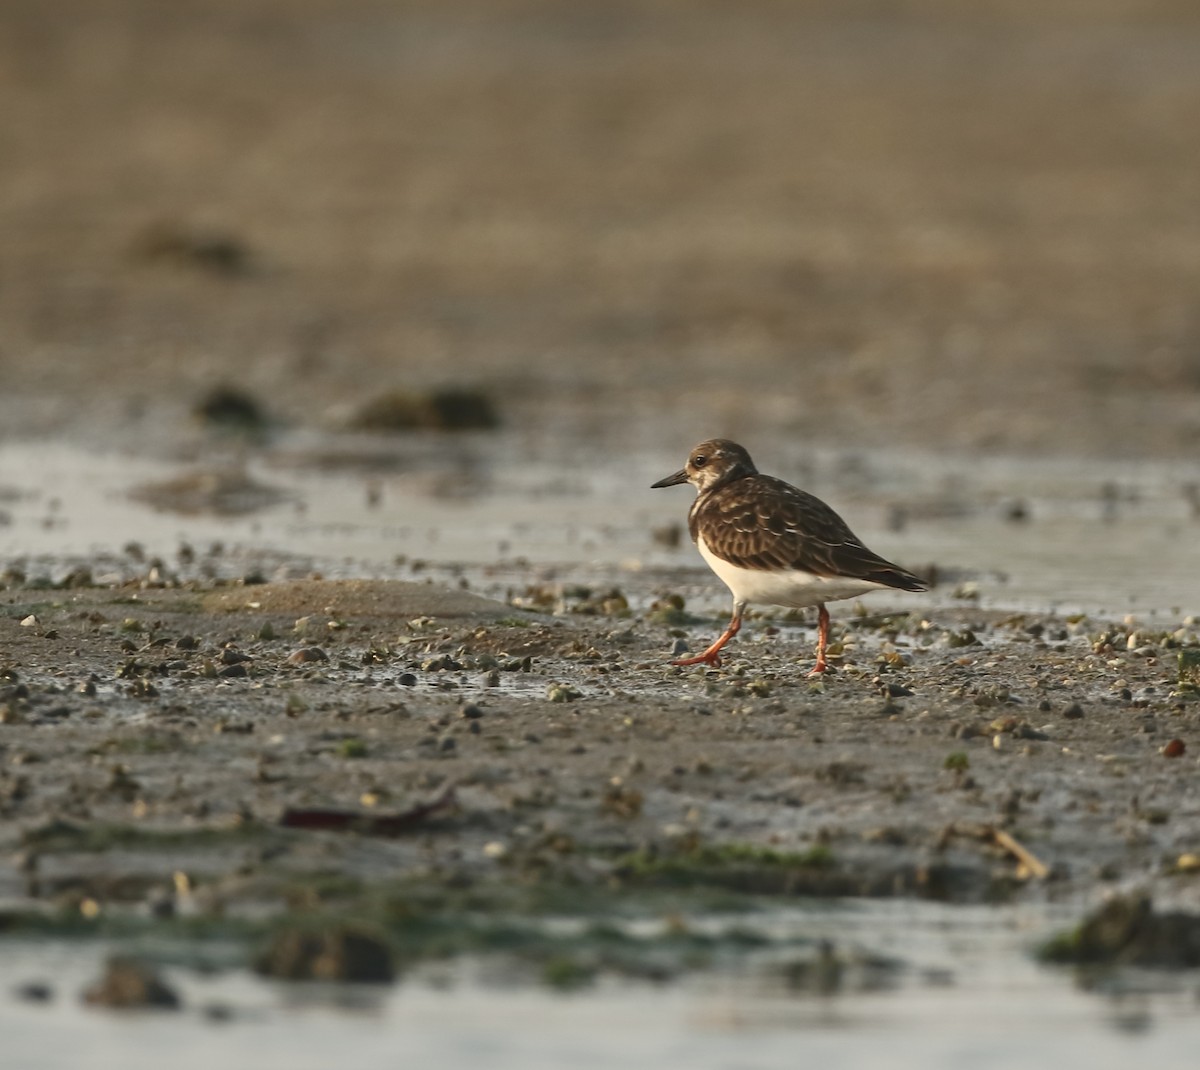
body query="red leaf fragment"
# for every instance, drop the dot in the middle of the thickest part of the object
(368, 824)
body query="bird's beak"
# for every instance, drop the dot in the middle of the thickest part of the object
(671, 481)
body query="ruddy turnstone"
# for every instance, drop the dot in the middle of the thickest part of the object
(774, 544)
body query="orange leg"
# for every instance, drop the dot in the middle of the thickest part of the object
(712, 655)
(822, 640)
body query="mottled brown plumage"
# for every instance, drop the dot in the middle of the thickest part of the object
(760, 522)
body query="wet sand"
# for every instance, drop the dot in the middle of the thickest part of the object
(573, 748)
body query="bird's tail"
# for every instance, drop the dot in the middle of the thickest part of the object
(901, 579)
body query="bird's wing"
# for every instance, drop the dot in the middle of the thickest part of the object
(764, 523)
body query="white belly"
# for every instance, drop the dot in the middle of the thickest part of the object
(794, 589)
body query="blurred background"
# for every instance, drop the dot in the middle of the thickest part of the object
(374, 281)
(968, 226)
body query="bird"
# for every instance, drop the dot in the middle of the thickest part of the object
(773, 544)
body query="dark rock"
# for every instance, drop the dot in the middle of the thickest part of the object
(669, 535)
(1016, 511)
(214, 252)
(1126, 931)
(35, 992)
(231, 408)
(449, 409)
(336, 953)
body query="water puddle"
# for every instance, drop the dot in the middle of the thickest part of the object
(966, 994)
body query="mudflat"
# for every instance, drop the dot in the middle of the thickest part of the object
(322, 742)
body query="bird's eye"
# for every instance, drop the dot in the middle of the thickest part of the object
(699, 461)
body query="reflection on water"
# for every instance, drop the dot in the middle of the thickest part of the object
(967, 995)
(1064, 534)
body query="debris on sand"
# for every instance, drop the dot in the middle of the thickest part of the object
(214, 252)
(220, 491)
(1126, 931)
(447, 409)
(1028, 864)
(130, 983)
(230, 408)
(367, 824)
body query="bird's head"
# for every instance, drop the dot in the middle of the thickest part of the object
(711, 464)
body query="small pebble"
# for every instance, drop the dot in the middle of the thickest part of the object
(307, 656)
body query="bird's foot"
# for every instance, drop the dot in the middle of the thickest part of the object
(707, 658)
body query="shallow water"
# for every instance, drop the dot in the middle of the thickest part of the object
(968, 995)
(1096, 537)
